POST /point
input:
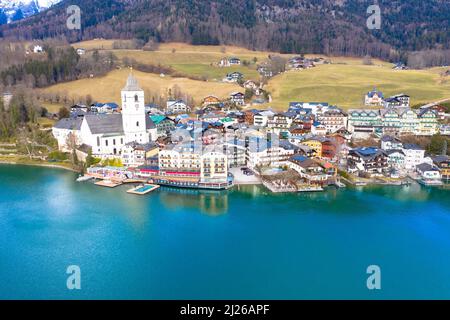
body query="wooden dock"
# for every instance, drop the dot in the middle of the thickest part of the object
(108, 183)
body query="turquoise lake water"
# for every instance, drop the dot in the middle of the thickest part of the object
(241, 244)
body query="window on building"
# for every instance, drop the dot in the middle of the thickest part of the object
(136, 98)
(106, 142)
(98, 141)
(114, 141)
(137, 124)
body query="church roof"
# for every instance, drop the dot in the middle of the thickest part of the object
(149, 124)
(105, 123)
(69, 123)
(132, 84)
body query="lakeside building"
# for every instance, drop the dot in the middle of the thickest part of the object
(372, 161)
(315, 172)
(414, 155)
(107, 134)
(189, 160)
(135, 155)
(264, 152)
(363, 123)
(396, 158)
(443, 163)
(429, 173)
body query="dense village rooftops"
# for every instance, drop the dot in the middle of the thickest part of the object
(144, 147)
(367, 153)
(393, 151)
(421, 112)
(388, 138)
(69, 123)
(157, 119)
(442, 161)
(426, 167)
(308, 104)
(105, 123)
(364, 112)
(412, 146)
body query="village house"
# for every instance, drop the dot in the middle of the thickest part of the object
(414, 155)
(390, 143)
(211, 101)
(235, 150)
(398, 101)
(229, 62)
(280, 122)
(261, 118)
(372, 161)
(314, 107)
(79, 109)
(237, 98)
(265, 71)
(333, 120)
(396, 158)
(363, 123)
(374, 98)
(135, 155)
(444, 130)
(315, 144)
(263, 152)
(177, 106)
(81, 51)
(251, 85)
(164, 125)
(428, 123)
(316, 172)
(38, 49)
(105, 108)
(429, 173)
(443, 163)
(318, 129)
(233, 77)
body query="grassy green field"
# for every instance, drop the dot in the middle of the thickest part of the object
(343, 83)
(346, 85)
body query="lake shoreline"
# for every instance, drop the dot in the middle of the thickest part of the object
(37, 164)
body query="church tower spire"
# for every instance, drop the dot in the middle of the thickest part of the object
(133, 112)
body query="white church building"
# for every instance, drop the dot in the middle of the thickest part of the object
(107, 134)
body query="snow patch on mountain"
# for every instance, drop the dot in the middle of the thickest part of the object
(27, 7)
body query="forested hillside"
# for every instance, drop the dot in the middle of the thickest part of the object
(335, 27)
